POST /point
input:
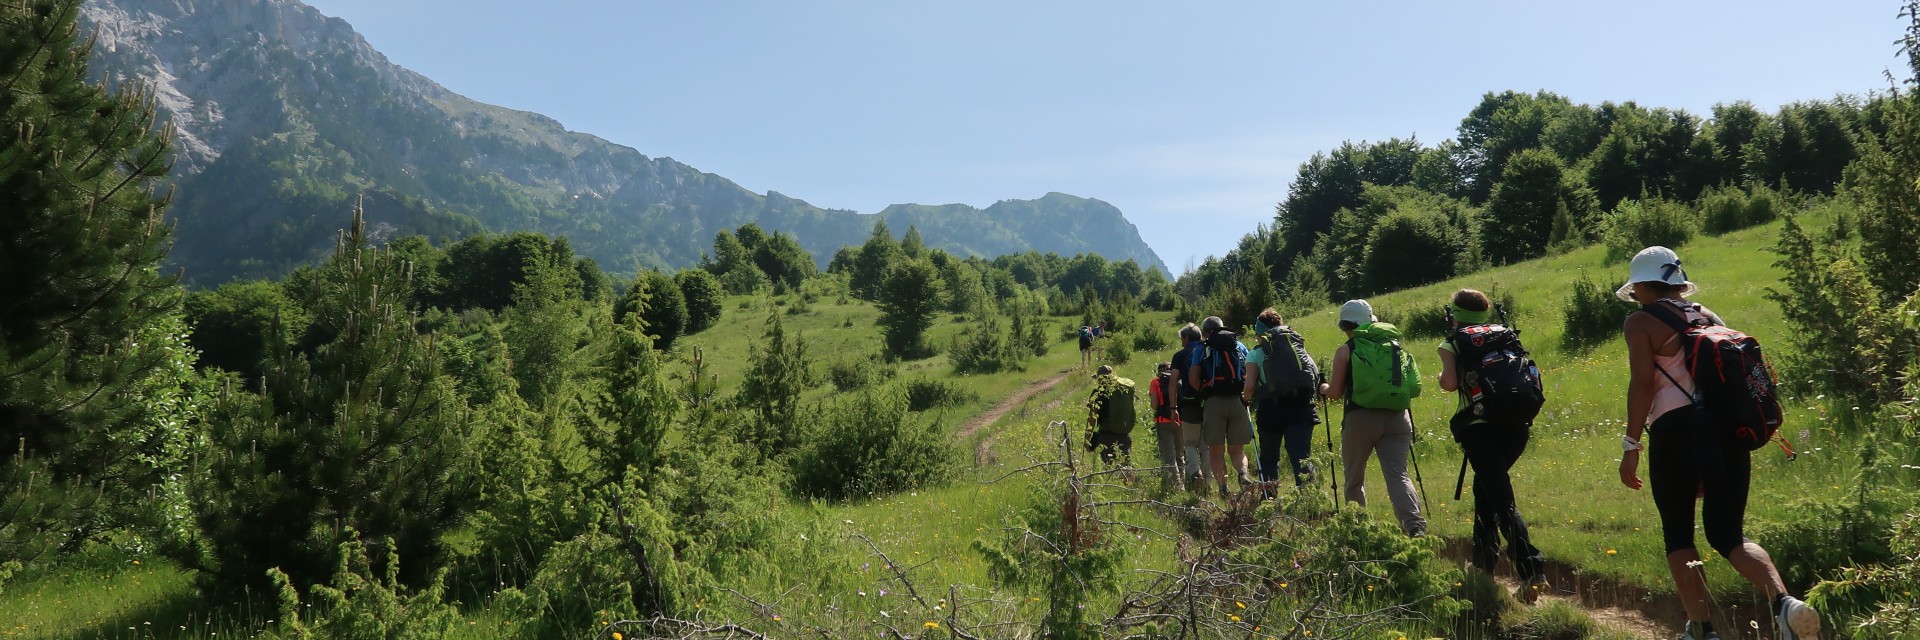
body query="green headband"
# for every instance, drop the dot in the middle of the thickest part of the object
(1464, 316)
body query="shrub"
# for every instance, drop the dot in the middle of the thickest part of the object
(1410, 248)
(1825, 536)
(1151, 340)
(1593, 315)
(1640, 224)
(360, 604)
(1731, 209)
(1869, 597)
(702, 293)
(987, 349)
(848, 375)
(1428, 321)
(926, 393)
(1115, 350)
(870, 445)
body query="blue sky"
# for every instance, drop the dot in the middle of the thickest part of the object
(1190, 117)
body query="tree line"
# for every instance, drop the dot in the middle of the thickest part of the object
(1528, 174)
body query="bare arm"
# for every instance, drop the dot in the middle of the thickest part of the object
(1640, 329)
(1335, 386)
(1449, 375)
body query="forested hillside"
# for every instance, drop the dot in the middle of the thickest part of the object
(283, 117)
(494, 436)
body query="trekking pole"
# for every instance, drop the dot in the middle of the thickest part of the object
(1462, 482)
(1413, 454)
(1334, 473)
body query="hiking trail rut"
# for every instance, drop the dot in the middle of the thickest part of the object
(1004, 407)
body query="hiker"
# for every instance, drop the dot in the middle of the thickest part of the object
(1190, 409)
(1281, 381)
(1221, 374)
(1086, 346)
(1500, 395)
(1163, 398)
(1378, 380)
(1110, 416)
(1690, 460)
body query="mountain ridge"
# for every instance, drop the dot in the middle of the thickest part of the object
(284, 113)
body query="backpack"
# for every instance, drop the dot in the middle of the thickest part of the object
(1731, 377)
(1116, 415)
(1223, 371)
(1287, 370)
(1501, 384)
(1384, 376)
(1166, 382)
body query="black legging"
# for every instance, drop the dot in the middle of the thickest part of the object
(1683, 455)
(1492, 450)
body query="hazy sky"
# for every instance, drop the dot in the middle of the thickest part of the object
(1190, 117)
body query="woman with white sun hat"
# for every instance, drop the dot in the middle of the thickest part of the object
(1688, 463)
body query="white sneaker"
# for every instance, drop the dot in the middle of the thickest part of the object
(1795, 620)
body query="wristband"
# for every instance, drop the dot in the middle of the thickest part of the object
(1629, 444)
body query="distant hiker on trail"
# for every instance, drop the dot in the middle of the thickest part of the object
(1379, 380)
(1190, 409)
(1693, 456)
(1163, 396)
(1110, 416)
(1500, 394)
(1220, 372)
(1086, 346)
(1280, 385)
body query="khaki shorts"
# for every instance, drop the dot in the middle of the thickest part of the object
(1226, 422)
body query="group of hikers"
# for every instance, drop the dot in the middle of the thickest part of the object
(1210, 398)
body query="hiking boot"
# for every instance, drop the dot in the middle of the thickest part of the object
(1698, 631)
(1794, 620)
(1531, 590)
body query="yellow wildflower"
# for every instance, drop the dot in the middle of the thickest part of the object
(931, 625)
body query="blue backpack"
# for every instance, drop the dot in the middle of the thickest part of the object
(1223, 366)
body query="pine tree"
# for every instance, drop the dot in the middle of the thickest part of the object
(364, 434)
(91, 363)
(908, 299)
(870, 264)
(778, 371)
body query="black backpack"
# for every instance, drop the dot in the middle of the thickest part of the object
(1287, 370)
(1501, 384)
(1731, 377)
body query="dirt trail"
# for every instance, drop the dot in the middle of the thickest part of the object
(1004, 407)
(1627, 607)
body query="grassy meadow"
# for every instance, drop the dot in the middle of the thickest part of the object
(1581, 517)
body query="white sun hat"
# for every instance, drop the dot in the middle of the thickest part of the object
(1656, 264)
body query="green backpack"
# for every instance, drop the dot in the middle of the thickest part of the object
(1384, 374)
(1116, 410)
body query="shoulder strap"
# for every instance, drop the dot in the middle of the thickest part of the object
(1667, 316)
